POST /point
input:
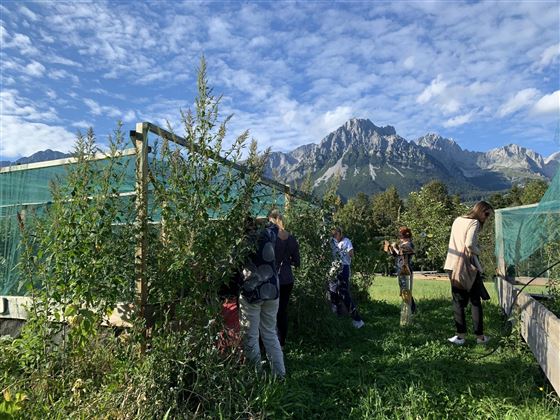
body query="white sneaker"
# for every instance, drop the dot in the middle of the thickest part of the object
(485, 339)
(458, 341)
(358, 324)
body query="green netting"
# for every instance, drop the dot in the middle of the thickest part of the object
(263, 199)
(26, 191)
(528, 237)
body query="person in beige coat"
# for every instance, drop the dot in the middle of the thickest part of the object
(464, 236)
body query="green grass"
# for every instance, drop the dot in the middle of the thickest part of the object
(386, 371)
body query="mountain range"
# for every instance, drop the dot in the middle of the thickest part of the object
(368, 159)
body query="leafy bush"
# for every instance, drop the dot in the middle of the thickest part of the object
(310, 224)
(79, 256)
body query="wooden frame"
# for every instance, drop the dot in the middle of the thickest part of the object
(165, 134)
(12, 307)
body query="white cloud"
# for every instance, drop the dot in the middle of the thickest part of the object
(8, 81)
(259, 41)
(409, 63)
(521, 99)
(34, 69)
(11, 103)
(451, 106)
(23, 138)
(155, 76)
(20, 42)
(458, 120)
(98, 110)
(130, 116)
(93, 106)
(481, 88)
(28, 13)
(436, 88)
(4, 35)
(24, 128)
(63, 74)
(331, 120)
(548, 104)
(219, 31)
(58, 59)
(549, 55)
(51, 94)
(82, 124)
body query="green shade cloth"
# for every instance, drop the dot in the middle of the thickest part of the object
(528, 237)
(26, 191)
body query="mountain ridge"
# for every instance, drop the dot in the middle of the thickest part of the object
(40, 156)
(368, 159)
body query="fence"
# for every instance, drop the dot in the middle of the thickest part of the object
(25, 191)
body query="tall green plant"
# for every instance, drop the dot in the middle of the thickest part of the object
(78, 258)
(311, 224)
(203, 207)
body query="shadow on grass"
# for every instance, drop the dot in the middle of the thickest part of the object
(383, 366)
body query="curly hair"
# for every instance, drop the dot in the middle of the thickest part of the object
(405, 232)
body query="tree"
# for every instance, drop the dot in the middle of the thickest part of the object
(533, 191)
(386, 208)
(355, 218)
(498, 200)
(430, 213)
(513, 197)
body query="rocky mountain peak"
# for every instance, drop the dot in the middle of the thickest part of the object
(516, 152)
(360, 125)
(369, 158)
(433, 141)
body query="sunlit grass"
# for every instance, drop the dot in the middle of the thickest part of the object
(386, 371)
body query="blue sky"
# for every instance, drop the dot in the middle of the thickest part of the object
(483, 73)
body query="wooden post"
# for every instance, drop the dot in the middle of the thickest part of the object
(499, 237)
(141, 222)
(287, 198)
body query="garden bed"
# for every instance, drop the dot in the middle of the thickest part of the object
(539, 327)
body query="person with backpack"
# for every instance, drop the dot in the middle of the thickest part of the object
(287, 255)
(259, 299)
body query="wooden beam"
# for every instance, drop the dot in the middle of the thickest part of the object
(161, 132)
(501, 263)
(61, 162)
(140, 139)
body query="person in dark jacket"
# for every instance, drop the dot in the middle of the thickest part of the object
(287, 255)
